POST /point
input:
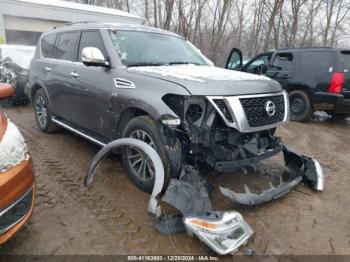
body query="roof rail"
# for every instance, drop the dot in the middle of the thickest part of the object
(74, 23)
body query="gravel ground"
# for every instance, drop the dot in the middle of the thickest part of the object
(111, 217)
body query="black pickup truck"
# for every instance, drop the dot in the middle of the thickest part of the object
(315, 78)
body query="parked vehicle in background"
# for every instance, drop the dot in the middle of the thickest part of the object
(106, 81)
(17, 181)
(315, 78)
(14, 70)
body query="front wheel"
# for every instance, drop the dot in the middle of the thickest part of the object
(139, 167)
(300, 106)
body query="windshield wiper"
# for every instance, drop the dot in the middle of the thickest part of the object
(183, 63)
(145, 64)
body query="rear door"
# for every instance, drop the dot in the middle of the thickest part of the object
(60, 70)
(281, 67)
(345, 58)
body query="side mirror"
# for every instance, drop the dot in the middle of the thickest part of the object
(6, 90)
(92, 56)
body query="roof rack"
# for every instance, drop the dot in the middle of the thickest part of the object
(74, 23)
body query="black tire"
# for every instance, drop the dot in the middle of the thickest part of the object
(300, 106)
(145, 180)
(41, 101)
(339, 117)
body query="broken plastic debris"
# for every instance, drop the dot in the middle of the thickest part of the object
(153, 206)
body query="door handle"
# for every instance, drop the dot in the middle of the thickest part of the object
(74, 74)
(48, 69)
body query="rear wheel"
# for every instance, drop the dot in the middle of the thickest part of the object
(43, 113)
(139, 167)
(300, 106)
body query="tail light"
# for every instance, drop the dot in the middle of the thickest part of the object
(336, 84)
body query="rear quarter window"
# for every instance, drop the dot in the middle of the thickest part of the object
(319, 62)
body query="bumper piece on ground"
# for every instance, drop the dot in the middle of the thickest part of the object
(300, 168)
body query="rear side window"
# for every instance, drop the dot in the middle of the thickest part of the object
(319, 62)
(91, 39)
(345, 56)
(65, 48)
(47, 45)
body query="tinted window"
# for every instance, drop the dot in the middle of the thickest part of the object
(65, 48)
(91, 39)
(346, 60)
(283, 61)
(47, 45)
(320, 62)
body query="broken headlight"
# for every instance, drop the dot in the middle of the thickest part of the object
(13, 150)
(223, 232)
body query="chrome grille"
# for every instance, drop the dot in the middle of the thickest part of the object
(254, 108)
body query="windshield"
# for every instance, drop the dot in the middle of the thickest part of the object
(144, 48)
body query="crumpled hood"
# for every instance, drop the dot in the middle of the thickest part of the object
(210, 80)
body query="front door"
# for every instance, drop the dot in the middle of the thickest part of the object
(93, 90)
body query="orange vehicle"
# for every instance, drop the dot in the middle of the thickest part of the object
(17, 181)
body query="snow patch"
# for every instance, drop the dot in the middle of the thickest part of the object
(198, 73)
(13, 149)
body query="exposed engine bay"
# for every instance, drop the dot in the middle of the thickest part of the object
(210, 133)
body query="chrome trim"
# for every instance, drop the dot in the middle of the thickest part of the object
(320, 175)
(30, 190)
(56, 121)
(240, 121)
(123, 83)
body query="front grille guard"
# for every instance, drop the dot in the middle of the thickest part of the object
(240, 121)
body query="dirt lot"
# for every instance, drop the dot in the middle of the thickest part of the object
(111, 217)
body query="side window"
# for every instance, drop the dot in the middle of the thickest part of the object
(253, 67)
(91, 39)
(283, 62)
(65, 48)
(47, 45)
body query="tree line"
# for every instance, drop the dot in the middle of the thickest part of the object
(254, 26)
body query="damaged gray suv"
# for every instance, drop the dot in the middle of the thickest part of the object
(108, 81)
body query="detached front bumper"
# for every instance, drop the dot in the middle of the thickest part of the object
(17, 197)
(337, 103)
(301, 169)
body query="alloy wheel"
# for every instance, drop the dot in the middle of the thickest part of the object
(140, 163)
(41, 111)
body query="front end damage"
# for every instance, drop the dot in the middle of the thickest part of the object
(223, 232)
(228, 133)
